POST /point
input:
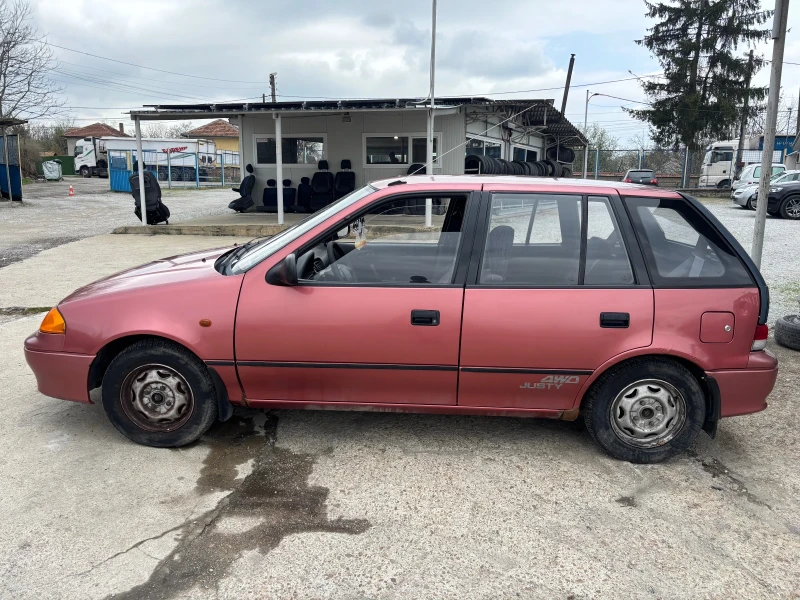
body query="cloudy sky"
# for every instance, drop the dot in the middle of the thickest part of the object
(355, 48)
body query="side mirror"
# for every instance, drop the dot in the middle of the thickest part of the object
(284, 273)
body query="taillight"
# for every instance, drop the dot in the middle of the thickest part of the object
(627, 180)
(654, 181)
(760, 338)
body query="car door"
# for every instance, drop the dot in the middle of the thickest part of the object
(556, 287)
(375, 316)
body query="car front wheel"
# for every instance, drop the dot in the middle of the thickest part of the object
(646, 410)
(158, 394)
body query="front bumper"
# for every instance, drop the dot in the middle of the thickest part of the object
(745, 391)
(741, 199)
(59, 374)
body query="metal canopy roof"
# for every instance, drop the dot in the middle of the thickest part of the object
(8, 122)
(535, 113)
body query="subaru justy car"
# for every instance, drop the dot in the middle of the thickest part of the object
(626, 305)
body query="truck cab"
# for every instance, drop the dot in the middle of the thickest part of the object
(91, 157)
(717, 170)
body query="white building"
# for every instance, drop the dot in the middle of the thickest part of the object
(383, 137)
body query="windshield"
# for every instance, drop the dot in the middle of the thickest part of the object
(267, 246)
(781, 177)
(707, 158)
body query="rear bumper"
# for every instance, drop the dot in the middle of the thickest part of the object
(745, 391)
(61, 375)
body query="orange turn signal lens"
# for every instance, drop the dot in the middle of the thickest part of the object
(53, 322)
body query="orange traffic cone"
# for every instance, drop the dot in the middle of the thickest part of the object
(71, 191)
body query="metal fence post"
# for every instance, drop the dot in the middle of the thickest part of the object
(197, 170)
(596, 163)
(641, 158)
(169, 169)
(222, 162)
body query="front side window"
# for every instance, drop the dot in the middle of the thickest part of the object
(78, 150)
(390, 245)
(681, 247)
(295, 150)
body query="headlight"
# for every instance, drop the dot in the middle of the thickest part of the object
(53, 322)
(775, 189)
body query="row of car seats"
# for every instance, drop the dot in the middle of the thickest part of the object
(311, 195)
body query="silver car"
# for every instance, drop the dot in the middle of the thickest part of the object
(746, 195)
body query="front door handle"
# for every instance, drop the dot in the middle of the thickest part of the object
(425, 318)
(615, 320)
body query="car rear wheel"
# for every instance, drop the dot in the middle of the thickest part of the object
(790, 208)
(646, 410)
(85, 172)
(158, 394)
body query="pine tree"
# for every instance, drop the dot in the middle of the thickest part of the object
(697, 42)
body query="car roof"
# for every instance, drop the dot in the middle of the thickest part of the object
(478, 181)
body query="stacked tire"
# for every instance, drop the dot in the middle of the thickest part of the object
(551, 167)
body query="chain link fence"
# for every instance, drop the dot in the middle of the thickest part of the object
(669, 165)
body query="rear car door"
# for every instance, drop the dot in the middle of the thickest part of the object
(375, 316)
(556, 287)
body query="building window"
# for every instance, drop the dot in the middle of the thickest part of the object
(387, 150)
(397, 149)
(480, 147)
(295, 150)
(524, 154)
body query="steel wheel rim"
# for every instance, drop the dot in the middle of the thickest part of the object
(648, 413)
(793, 208)
(157, 398)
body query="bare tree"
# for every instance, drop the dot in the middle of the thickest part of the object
(25, 89)
(164, 130)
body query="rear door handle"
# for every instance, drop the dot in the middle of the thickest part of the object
(615, 320)
(425, 318)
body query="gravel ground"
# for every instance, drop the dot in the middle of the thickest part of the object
(49, 217)
(779, 263)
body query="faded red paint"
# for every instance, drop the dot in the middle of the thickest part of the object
(369, 327)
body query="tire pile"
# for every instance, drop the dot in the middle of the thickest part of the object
(553, 166)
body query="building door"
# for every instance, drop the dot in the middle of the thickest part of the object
(550, 298)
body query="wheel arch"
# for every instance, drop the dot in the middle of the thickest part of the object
(114, 347)
(707, 383)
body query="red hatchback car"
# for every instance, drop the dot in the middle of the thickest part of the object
(628, 305)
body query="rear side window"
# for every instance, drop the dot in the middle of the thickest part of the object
(553, 240)
(682, 248)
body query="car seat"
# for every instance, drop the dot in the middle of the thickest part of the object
(303, 196)
(269, 199)
(321, 187)
(499, 244)
(289, 196)
(345, 180)
(245, 190)
(156, 210)
(416, 169)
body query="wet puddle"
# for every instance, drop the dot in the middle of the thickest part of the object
(275, 497)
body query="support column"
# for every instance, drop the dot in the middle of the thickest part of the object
(140, 162)
(241, 148)
(279, 165)
(8, 168)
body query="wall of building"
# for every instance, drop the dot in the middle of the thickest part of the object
(345, 141)
(478, 122)
(226, 143)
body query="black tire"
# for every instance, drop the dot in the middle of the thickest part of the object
(85, 172)
(554, 169)
(171, 357)
(724, 185)
(787, 331)
(687, 400)
(749, 204)
(790, 208)
(566, 172)
(472, 164)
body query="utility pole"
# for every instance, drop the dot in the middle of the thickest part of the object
(585, 132)
(263, 98)
(797, 131)
(737, 168)
(566, 87)
(272, 85)
(779, 41)
(429, 149)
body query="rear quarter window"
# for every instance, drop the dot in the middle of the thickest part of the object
(682, 248)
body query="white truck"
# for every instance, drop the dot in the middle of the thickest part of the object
(180, 156)
(718, 168)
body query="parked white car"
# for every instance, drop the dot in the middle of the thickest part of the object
(746, 195)
(751, 174)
